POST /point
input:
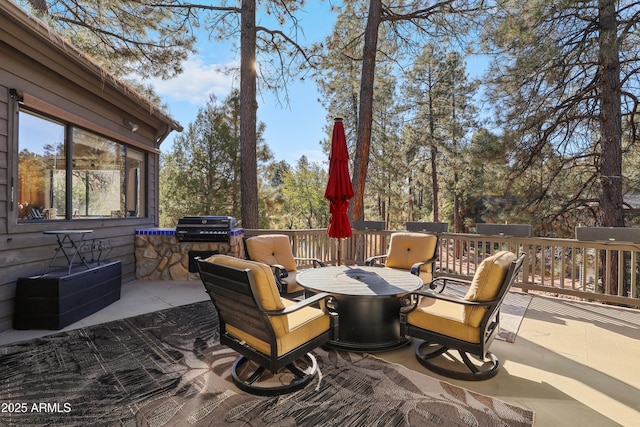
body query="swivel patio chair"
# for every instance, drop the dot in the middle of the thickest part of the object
(270, 332)
(414, 252)
(275, 251)
(468, 325)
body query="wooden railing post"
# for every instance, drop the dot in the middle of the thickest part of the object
(569, 267)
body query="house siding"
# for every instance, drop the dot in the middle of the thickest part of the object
(60, 79)
(4, 175)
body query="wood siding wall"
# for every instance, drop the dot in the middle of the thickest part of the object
(24, 249)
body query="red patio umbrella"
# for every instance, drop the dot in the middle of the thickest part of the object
(339, 189)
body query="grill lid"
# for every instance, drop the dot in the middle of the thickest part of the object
(205, 228)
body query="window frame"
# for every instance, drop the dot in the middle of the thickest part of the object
(29, 105)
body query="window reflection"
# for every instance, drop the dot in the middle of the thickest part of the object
(97, 180)
(41, 169)
(107, 178)
(135, 166)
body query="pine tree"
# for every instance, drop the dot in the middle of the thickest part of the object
(153, 38)
(303, 191)
(201, 174)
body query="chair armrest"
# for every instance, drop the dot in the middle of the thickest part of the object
(452, 278)
(411, 303)
(453, 298)
(369, 261)
(314, 299)
(444, 279)
(316, 261)
(415, 268)
(279, 270)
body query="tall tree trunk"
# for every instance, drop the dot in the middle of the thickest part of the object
(434, 148)
(248, 112)
(611, 207)
(412, 199)
(365, 120)
(434, 182)
(237, 177)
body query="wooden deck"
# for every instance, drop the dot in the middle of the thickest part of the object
(573, 363)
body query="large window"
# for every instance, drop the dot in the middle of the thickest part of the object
(66, 172)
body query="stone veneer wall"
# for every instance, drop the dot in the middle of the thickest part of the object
(160, 256)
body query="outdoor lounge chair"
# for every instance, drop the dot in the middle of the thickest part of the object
(414, 252)
(275, 251)
(467, 324)
(270, 332)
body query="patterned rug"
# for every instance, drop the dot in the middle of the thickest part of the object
(168, 369)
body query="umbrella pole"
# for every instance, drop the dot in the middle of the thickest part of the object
(339, 250)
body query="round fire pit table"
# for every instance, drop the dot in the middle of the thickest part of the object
(368, 303)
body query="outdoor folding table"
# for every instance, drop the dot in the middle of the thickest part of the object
(71, 240)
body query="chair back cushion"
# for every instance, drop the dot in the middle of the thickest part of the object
(405, 249)
(486, 283)
(267, 291)
(292, 330)
(271, 249)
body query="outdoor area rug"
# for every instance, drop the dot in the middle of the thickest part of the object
(168, 368)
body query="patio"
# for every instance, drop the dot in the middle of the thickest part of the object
(573, 363)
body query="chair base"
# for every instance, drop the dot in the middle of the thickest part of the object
(255, 379)
(372, 347)
(464, 368)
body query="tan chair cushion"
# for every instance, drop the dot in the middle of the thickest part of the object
(291, 330)
(486, 283)
(443, 317)
(301, 326)
(272, 249)
(405, 249)
(456, 320)
(266, 287)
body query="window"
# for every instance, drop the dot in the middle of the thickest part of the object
(41, 168)
(66, 172)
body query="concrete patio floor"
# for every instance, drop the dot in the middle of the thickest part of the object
(573, 363)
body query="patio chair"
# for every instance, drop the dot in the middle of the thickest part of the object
(414, 252)
(275, 251)
(467, 324)
(270, 332)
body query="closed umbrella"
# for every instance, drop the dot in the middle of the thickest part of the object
(339, 190)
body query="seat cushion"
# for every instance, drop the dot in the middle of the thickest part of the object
(291, 330)
(486, 283)
(268, 294)
(272, 249)
(443, 317)
(406, 249)
(300, 326)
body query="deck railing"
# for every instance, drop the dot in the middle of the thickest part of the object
(567, 267)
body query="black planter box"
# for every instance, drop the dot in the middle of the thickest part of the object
(53, 301)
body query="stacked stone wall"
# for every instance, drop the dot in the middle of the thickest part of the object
(163, 257)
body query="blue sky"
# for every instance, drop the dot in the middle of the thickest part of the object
(291, 131)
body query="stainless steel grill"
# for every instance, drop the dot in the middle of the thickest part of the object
(205, 228)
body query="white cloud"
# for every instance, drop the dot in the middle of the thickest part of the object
(196, 82)
(313, 156)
